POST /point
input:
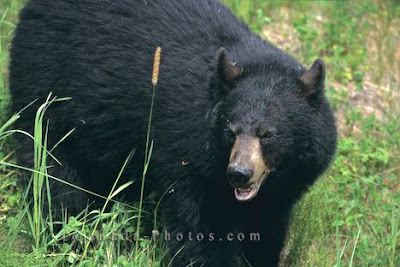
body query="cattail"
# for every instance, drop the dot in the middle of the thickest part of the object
(156, 66)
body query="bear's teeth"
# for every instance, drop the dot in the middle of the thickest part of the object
(244, 189)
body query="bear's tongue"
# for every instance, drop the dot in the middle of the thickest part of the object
(246, 194)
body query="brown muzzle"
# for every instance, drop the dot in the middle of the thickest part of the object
(246, 162)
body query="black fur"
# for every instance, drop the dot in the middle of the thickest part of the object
(100, 53)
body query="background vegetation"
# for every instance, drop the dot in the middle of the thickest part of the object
(350, 217)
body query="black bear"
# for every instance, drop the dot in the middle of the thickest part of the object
(240, 128)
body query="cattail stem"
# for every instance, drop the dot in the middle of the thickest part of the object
(149, 146)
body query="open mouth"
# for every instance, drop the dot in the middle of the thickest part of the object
(247, 193)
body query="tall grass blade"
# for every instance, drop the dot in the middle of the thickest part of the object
(156, 68)
(128, 159)
(354, 248)
(338, 258)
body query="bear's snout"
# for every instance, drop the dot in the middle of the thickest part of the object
(246, 169)
(238, 176)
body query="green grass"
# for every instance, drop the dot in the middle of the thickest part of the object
(350, 217)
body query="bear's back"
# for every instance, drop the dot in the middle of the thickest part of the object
(100, 53)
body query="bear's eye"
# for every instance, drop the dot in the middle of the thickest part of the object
(268, 133)
(229, 133)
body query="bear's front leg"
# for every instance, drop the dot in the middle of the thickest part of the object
(271, 229)
(196, 236)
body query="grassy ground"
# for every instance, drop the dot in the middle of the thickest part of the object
(9, 196)
(350, 217)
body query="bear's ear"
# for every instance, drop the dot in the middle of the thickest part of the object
(226, 72)
(313, 79)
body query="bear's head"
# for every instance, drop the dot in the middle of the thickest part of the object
(272, 121)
